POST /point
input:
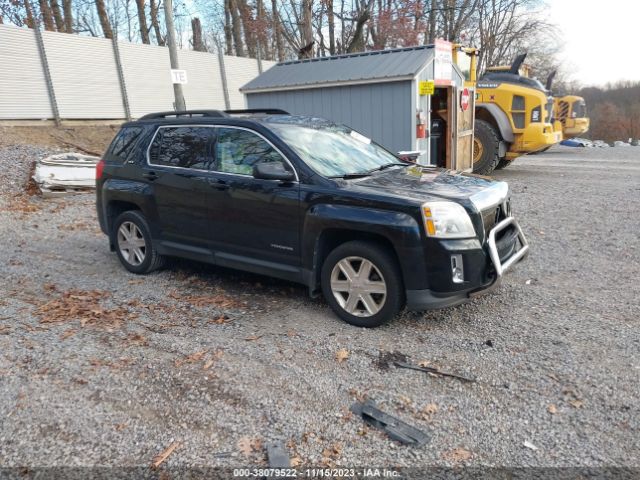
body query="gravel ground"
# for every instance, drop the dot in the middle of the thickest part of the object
(102, 367)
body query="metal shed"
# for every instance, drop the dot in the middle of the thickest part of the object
(406, 99)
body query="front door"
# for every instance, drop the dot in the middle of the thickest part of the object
(253, 222)
(176, 172)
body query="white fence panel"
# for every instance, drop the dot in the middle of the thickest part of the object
(240, 71)
(204, 83)
(84, 75)
(23, 88)
(147, 75)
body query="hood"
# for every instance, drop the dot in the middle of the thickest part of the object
(424, 183)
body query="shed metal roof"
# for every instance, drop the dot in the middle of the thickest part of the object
(380, 65)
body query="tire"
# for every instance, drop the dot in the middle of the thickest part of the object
(486, 139)
(384, 276)
(142, 257)
(503, 163)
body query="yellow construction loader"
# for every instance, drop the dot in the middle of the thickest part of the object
(514, 113)
(571, 113)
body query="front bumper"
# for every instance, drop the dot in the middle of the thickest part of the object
(502, 256)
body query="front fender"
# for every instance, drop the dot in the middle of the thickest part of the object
(400, 229)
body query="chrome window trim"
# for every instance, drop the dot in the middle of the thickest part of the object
(211, 170)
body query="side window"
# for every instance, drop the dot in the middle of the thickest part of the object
(122, 145)
(185, 147)
(237, 151)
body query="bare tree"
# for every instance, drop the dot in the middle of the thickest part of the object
(153, 13)
(104, 19)
(142, 20)
(196, 30)
(67, 8)
(45, 13)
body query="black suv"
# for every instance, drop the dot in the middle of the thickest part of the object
(306, 200)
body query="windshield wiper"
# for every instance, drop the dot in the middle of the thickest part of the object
(388, 165)
(347, 176)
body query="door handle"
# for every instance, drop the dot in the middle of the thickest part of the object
(218, 184)
(150, 175)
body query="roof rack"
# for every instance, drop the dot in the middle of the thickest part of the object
(186, 113)
(268, 111)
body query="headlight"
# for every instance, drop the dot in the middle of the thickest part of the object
(447, 220)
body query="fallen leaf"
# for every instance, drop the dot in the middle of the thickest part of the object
(430, 409)
(530, 445)
(296, 461)
(576, 403)
(342, 355)
(159, 459)
(253, 338)
(457, 455)
(208, 364)
(248, 445)
(68, 333)
(552, 409)
(120, 426)
(424, 363)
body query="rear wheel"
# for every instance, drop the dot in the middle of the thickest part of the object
(362, 283)
(133, 243)
(486, 145)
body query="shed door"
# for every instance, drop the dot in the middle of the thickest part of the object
(464, 119)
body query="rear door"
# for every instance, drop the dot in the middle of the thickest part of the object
(176, 170)
(252, 220)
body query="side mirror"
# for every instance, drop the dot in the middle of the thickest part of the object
(272, 171)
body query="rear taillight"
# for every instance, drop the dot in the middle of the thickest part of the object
(99, 169)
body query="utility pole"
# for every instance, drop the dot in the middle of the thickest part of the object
(173, 54)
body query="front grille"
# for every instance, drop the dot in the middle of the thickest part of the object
(493, 215)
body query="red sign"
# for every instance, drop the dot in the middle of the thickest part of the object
(464, 99)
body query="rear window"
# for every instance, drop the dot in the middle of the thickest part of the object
(183, 147)
(122, 147)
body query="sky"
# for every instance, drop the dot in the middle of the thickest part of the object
(601, 39)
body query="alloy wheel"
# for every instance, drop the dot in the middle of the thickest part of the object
(131, 243)
(358, 286)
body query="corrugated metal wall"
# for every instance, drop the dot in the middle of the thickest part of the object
(382, 111)
(85, 77)
(23, 88)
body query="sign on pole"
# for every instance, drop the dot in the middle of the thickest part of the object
(179, 76)
(442, 71)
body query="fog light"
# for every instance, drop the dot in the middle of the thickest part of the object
(457, 269)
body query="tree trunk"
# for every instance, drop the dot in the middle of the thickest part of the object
(332, 27)
(142, 19)
(228, 39)
(104, 19)
(307, 29)
(431, 34)
(246, 18)
(47, 19)
(68, 16)
(153, 12)
(196, 28)
(236, 29)
(277, 31)
(30, 20)
(57, 15)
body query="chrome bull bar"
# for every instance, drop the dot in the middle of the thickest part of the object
(501, 268)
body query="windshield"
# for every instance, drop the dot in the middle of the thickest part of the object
(334, 150)
(463, 60)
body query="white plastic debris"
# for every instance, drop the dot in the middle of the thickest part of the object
(530, 445)
(65, 173)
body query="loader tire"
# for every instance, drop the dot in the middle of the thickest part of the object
(503, 163)
(486, 143)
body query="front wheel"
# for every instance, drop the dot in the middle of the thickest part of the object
(503, 163)
(362, 283)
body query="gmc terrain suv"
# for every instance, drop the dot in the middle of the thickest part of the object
(306, 200)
